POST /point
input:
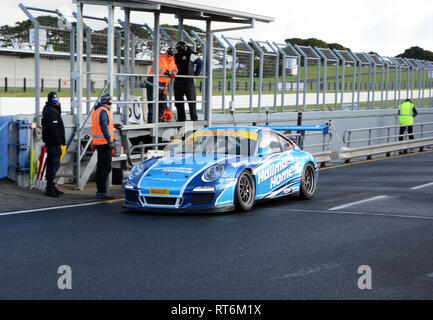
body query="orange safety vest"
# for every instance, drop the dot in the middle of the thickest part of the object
(165, 64)
(97, 134)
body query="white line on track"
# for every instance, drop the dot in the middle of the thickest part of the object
(357, 202)
(357, 213)
(57, 208)
(422, 186)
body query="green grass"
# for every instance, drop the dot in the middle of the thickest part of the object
(217, 77)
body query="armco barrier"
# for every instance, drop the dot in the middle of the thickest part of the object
(350, 153)
(4, 149)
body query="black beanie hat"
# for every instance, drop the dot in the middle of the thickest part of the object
(51, 96)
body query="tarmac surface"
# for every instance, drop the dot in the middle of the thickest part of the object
(376, 213)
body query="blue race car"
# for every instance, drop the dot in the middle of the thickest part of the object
(222, 169)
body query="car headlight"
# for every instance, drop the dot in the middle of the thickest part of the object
(136, 170)
(213, 173)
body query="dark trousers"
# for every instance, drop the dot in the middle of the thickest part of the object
(161, 97)
(53, 164)
(181, 89)
(409, 131)
(103, 167)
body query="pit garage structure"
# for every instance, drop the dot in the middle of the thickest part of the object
(182, 11)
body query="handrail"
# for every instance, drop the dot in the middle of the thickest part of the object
(80, 131)
(386, 127)
(348, 133)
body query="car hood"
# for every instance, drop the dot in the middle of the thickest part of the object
(182, 167)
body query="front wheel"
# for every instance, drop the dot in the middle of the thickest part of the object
(245, 193)
(308, 182)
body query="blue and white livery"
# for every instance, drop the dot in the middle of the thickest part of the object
(222, 169)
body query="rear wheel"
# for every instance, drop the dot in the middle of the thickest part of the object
(245, 193)
(308, 182)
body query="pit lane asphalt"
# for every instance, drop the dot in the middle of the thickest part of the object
(284, 249)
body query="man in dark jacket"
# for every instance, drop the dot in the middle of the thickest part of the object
(189, 64)
(53, 134)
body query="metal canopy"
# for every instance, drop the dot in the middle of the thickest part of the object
(185, 10)
(346, 56)
(328, 54)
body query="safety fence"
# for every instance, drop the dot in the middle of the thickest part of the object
(247, 75)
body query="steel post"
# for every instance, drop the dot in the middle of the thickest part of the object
(79, 91)
(260, 73)
(36, 57)
(88, 67)
(277, 62)
(251, 89)
(208, 80)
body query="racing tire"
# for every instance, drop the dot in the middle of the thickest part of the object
(245, 193)
(308, 182)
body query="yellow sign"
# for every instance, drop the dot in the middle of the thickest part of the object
(159, 192)
(227, 133)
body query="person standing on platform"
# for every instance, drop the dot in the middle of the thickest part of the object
(189, 64)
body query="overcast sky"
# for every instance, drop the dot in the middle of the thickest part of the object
(384, 26)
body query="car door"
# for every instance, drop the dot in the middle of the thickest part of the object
(276, 170)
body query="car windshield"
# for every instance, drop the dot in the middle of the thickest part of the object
(230, 142)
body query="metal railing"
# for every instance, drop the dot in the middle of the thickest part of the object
(376, 134)
(385, 140)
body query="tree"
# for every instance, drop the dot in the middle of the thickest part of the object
(313, 42)
(417, 53)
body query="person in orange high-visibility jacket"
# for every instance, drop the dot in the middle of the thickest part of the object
(103, 140)
(167, 71)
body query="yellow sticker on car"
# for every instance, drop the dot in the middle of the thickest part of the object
(159, 192)
(226, 133)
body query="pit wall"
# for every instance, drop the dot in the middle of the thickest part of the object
(340, 121)
(35, 141)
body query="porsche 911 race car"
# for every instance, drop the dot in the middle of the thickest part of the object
(222, 169)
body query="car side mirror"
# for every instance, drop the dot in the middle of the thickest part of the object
(264, 152)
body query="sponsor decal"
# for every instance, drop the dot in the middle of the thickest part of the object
(168, 170)
(159, 192)
(287, 191)
(277, 172)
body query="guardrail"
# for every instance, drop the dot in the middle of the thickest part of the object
(390, 142)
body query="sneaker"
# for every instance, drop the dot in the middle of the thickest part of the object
(104, 196)
(60, 193)
(51, 193)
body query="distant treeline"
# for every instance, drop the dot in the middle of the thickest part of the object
(13, 36)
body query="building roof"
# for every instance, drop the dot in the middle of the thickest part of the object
(186, 10)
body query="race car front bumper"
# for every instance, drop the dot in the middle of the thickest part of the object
(200, 202)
